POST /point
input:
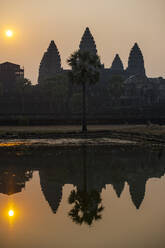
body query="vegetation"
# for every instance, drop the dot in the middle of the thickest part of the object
(85, 70)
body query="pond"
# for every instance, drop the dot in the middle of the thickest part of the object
(82, 196)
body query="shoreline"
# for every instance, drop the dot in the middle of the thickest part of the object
(137, 135)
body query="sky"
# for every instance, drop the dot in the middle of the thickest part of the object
(115, 24)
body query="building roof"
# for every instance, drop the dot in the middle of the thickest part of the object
(9, 63)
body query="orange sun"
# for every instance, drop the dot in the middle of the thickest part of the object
(9, 33)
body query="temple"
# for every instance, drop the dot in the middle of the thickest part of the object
(138, 88)
(87, 42)
(136, 62)
(9, 74)
(124, 94)
(117, 65)
(50, 64)
(13, 180)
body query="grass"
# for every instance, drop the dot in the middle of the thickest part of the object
(151, 129)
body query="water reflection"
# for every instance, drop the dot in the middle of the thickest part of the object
(87, 206)
(89, 169)
(87, 202)
(13, 179)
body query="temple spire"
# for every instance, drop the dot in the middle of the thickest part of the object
(117, 64)
(51, 190)
(136, 61)
(50, 64)
(119, 187)
(87, 42)
(137, 188)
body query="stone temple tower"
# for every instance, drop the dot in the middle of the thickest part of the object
(117, 65)
(136, 62)
(50, 64)
(87, 42)
(51, 189)
(137, 188)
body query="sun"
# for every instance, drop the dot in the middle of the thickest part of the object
(9, 33)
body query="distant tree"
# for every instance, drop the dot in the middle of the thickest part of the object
(85, 69)
(23, 88)
(116, 88)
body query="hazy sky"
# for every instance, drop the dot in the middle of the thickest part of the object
(115, 24)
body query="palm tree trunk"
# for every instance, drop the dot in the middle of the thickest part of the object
(84, 121)
(84, 153)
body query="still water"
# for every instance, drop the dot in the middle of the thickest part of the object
(88, 196)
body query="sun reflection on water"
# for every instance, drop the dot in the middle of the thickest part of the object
(11, 213)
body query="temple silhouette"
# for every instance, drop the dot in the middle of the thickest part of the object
(88, 174)
(51, 62)
(122, 95)
(9, 74)
(138, 88)
(13, 180)
(51, 189)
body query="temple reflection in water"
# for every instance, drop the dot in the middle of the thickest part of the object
(13, 179)
(89, 169)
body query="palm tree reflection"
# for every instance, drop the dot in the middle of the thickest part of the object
(87, 203)
(87, 206)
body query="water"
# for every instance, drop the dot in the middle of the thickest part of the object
(63, 141)
(87, 196)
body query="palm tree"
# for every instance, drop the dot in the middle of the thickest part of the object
(85, 69)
